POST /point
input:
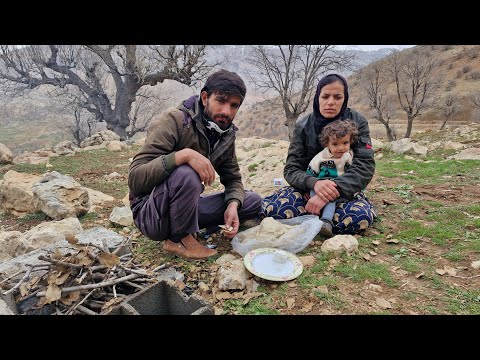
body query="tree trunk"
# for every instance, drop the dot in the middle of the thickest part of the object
(118, 129)
(291, 126)
(409, 125)
(390, 135)
(444, 123)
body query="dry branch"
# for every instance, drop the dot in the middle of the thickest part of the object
(93, 286)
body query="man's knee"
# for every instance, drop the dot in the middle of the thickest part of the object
(185, 176)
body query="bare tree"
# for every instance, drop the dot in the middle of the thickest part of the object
(377, 94)
(107, 77)
(449, 107)
(293, 71)
(415, 82)
(476, 100)
(82, 126)
(146, 106)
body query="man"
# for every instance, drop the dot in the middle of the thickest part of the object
(183, 149)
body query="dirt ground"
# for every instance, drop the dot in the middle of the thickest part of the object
(416, 277)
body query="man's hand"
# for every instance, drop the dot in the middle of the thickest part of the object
(326, 190)
(198, 162)
(231, 219)
(315, 205)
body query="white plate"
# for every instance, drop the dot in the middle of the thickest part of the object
(273, 264)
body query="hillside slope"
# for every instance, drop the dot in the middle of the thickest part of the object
(460, 77)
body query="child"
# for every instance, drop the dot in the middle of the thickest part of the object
(333, 161)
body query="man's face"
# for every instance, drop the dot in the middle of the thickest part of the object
(221, 109)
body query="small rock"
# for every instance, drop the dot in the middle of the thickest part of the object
(392, 241)
(307, 260)
(382, 303)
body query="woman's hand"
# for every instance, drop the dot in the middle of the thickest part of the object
(326, 190)
(315, 205)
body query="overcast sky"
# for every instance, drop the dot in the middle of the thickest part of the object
(373, 47)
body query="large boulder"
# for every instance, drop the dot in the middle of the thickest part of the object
(48, 232)
(60, 196)
(16, 195)
(65, 148)
(6, 156)
(99, 138)
(10, 244)
(406, 146)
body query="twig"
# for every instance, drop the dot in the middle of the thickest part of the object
(72, 309)
(93, 286)
(98, 267)
(96, 246)
(122, 244)
(114, 291)
(140, 279)
(138, 272)
(159, 267)
(405, 283)
(32, 294)
(63, 263)
(126, 256)
(25, 277)
(86, 310)
(132, 284)
(11, 277)
(95, 304)
(465, 277)
(105, 246)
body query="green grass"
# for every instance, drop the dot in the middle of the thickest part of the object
(463, 302)
(146, 248)
(366, 271)
(253, 307)
(39, 215)
(23, 168)
(330, 298)
(472, 209)
(88, 217)
(410, 230)
(426, 173)
(87, 161)
(410, 264)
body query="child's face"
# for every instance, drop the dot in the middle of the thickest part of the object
(338, 146)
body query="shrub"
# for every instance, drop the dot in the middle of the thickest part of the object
(474, 75)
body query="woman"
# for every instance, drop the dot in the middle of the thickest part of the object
(354, 213)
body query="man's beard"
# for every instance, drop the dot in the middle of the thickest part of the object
(222, 125)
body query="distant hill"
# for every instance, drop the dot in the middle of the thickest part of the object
(459, 64)
(460, 77)
(33, 121)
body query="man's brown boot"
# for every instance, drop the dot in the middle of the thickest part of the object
(188, 248)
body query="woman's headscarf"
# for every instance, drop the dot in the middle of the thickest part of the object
(320, 120)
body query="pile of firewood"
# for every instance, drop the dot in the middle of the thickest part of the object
(87, 279)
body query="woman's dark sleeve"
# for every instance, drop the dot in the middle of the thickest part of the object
(297, 162)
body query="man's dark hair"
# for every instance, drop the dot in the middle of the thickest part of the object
(225, 83)
(339, 129)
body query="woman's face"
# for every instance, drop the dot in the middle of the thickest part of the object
(331, 99)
